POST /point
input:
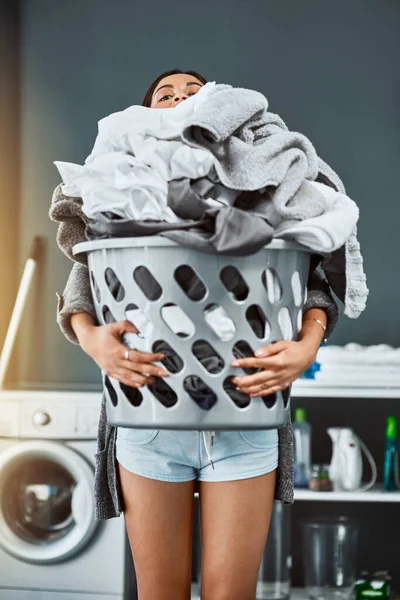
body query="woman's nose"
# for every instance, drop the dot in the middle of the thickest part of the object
(179, 99)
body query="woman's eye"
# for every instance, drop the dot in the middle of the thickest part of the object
(163, 98)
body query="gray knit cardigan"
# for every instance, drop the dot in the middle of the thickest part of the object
(77, 297)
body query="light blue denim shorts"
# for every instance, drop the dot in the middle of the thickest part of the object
(180, 455)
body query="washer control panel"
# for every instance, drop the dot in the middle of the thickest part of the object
(51, 415)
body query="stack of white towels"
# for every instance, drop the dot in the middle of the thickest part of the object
(359, 365)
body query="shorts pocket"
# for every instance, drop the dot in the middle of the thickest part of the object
(136, 436)
(260, 438)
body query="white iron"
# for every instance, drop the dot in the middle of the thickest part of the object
(345, 470)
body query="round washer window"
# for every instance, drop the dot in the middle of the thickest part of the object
(36, 500)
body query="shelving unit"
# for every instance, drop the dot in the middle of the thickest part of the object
(312, 388)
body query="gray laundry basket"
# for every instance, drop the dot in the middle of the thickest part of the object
(202, 310)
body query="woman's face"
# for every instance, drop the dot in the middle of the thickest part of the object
(174, 89)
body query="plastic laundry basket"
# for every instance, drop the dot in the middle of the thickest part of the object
(202, 310)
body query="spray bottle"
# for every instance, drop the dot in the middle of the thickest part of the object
(391, 457)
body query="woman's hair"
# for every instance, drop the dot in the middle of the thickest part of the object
(149, 94)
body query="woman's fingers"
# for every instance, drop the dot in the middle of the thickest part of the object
(122, 327)
(131, 378)
(272, 349)
(145, 368)
(270, 388)
(143, 357)
(251, 380)
(273, 362)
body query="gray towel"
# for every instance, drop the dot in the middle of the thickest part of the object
(254, 149)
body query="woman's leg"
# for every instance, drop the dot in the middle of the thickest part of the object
(158, 517)
(235, 517)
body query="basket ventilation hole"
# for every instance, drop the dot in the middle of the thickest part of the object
(234, 283)
(258, 322)
(242, 350)
(285, 323)
(114, 285)
(190, 282)
(199, 391)
(163, 392)
(208, 357)
(239, 398)
(132, 394)
(147, 283)
(219, 322)
(172, 361)
(269, 400)
(107, 315)
(178, 321)
(112, 394)
(136, 316)
(300, 320)
(296, 288)
(272, 284)
(95, 287)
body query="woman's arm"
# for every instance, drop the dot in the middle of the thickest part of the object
(282, 363)
(103, 343)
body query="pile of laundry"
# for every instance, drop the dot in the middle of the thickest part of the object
(221, 174)
(354, 364)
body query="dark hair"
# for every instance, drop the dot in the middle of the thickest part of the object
(149, 94)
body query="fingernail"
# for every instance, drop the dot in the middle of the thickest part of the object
(260, 353)
(162, 373)
(235, 363)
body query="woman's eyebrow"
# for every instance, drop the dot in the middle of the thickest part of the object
(169, 85)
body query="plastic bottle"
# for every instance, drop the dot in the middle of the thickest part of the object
(314, 368)
(302, 449)
(391, 457)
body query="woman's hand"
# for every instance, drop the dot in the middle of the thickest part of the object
(280, 363)
(283, 362)
(103, 344)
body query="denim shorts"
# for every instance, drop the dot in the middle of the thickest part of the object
(181, 455)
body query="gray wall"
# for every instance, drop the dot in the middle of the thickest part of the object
(329, 69)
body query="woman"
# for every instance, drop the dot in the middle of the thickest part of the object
(156, 470)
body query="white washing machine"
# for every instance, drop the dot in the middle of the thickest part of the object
(51, 548)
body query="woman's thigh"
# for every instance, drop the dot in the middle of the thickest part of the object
(158, 517)
(235, 517)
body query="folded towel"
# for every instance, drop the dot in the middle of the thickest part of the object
(356, 354)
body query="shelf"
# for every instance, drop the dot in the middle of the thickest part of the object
(295, 593)
(320, 389)
(373, 495)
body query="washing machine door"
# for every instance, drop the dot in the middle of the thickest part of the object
(46, 501)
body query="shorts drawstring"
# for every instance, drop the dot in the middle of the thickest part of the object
(208, 439)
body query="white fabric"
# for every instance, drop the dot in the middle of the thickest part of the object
(328, 231)
(359, 370)
(339, 379)
(136, 153)
(356, 354)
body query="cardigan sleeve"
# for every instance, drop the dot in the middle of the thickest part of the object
(77, 297)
